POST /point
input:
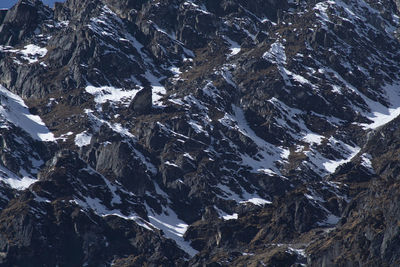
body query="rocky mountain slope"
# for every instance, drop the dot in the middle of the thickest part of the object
(200, 133)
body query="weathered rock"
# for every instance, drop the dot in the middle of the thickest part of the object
(21, 21)
(142, 102)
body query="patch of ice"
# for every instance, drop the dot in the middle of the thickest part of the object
(227, 75)
(116, 199)
(210, 90)
(267, 171)
(336, 89)
(41, 199)
(178, 102)
(277, 55)
(225, 216)
(65, 136)
(200, 8)
(294, 76)
(322, 9)
(175, 70)
(379, 114)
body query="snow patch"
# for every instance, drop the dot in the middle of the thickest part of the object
(264, 161)
(13, 180)
(83, 139)
(172, 226)
(366, 162)
(276, 54)
(230, 217)
(331, 165)
(158, 90)
(382, 115)
(32, 53)
(244, 198)
(109, 93)
(234, 46)
(97, 206)
(313, 138)
(257, 201)
(13, 109)
(116, 127)
(330, 220)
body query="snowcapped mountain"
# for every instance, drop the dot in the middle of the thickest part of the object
(199, 133)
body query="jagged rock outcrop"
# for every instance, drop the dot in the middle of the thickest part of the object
(22, 20)
(142, 102)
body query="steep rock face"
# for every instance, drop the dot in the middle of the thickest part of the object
(214, 133)
(368, 232)
(67, 218)
(369, 235)
(119, 160)
(22, 20)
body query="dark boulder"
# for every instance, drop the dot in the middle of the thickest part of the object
(142, 102)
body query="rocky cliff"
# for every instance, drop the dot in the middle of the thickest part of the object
(199, 133)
